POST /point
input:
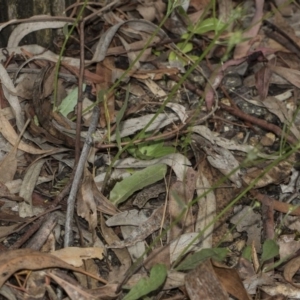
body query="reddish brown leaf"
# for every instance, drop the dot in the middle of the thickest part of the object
(203, 283)
(232, 282)
(290, 270)
(26, 259)
(262, 82)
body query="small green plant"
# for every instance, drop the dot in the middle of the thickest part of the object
(67, 32)
(149, 150)
(140, 179)
(191, 262)
(183, 52)
(157, 148)
(145, 286)
(69, 102)
(270, 250)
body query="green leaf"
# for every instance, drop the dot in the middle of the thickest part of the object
(122, 190)
(68, 104)
(247, 251)
(185, 36)
(209, 24)
(185, 47)
(156, 52)
(174, 57)
(193, 57)
(149, 150)
(193, 260)
(145, 286)
(155, 150)
(270, 250)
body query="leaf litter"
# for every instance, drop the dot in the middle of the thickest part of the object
(175, 189)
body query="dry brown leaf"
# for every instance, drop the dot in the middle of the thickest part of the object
(290, 270)
(5, 193)
(147, 12)
(147, 193)
(225, 13)
(241, 50)
(91, 267)
(159, 255)
(7, 230)
(11, 136)
(76, 291)
(281, 23)
(281, 291)
(8, 166)
(107, 111)
(25, 86)
(35, 285)
(86, 206)
(278, 174)
(245, 268)
(102, 203)
(199, 4)
(288, 243)
(48, 82)
(152, 224)
(155, 74)
(26, 259)
(279, 109)
(291, 75)
(75, 255)
(290, 60)
(30, 179)
(232, 282)
(262, 82)
(23, 29)
(206, 204)
(110, 237)
(180, 195)
(203, 283)
(132, 56)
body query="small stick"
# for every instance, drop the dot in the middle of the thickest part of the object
(78, 174)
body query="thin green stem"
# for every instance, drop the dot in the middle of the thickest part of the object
(63, 48)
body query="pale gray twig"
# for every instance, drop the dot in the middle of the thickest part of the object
(78, 174)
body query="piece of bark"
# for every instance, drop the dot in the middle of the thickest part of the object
(203, 283)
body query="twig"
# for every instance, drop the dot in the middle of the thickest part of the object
(78, 174)
(277, 205)
(80, 93)
(259, 122)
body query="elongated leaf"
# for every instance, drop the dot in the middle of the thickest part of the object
(68, 104)
(157, 277)
(270, 250)
(122, 190)
(210, 24)
(155, 150)
(192, 261)
(150, 150)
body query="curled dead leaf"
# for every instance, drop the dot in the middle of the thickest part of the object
(27, 259)
(290, 270)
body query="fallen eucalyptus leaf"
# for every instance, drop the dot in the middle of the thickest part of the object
(122, 190)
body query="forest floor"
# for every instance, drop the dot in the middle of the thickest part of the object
(151, 152)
